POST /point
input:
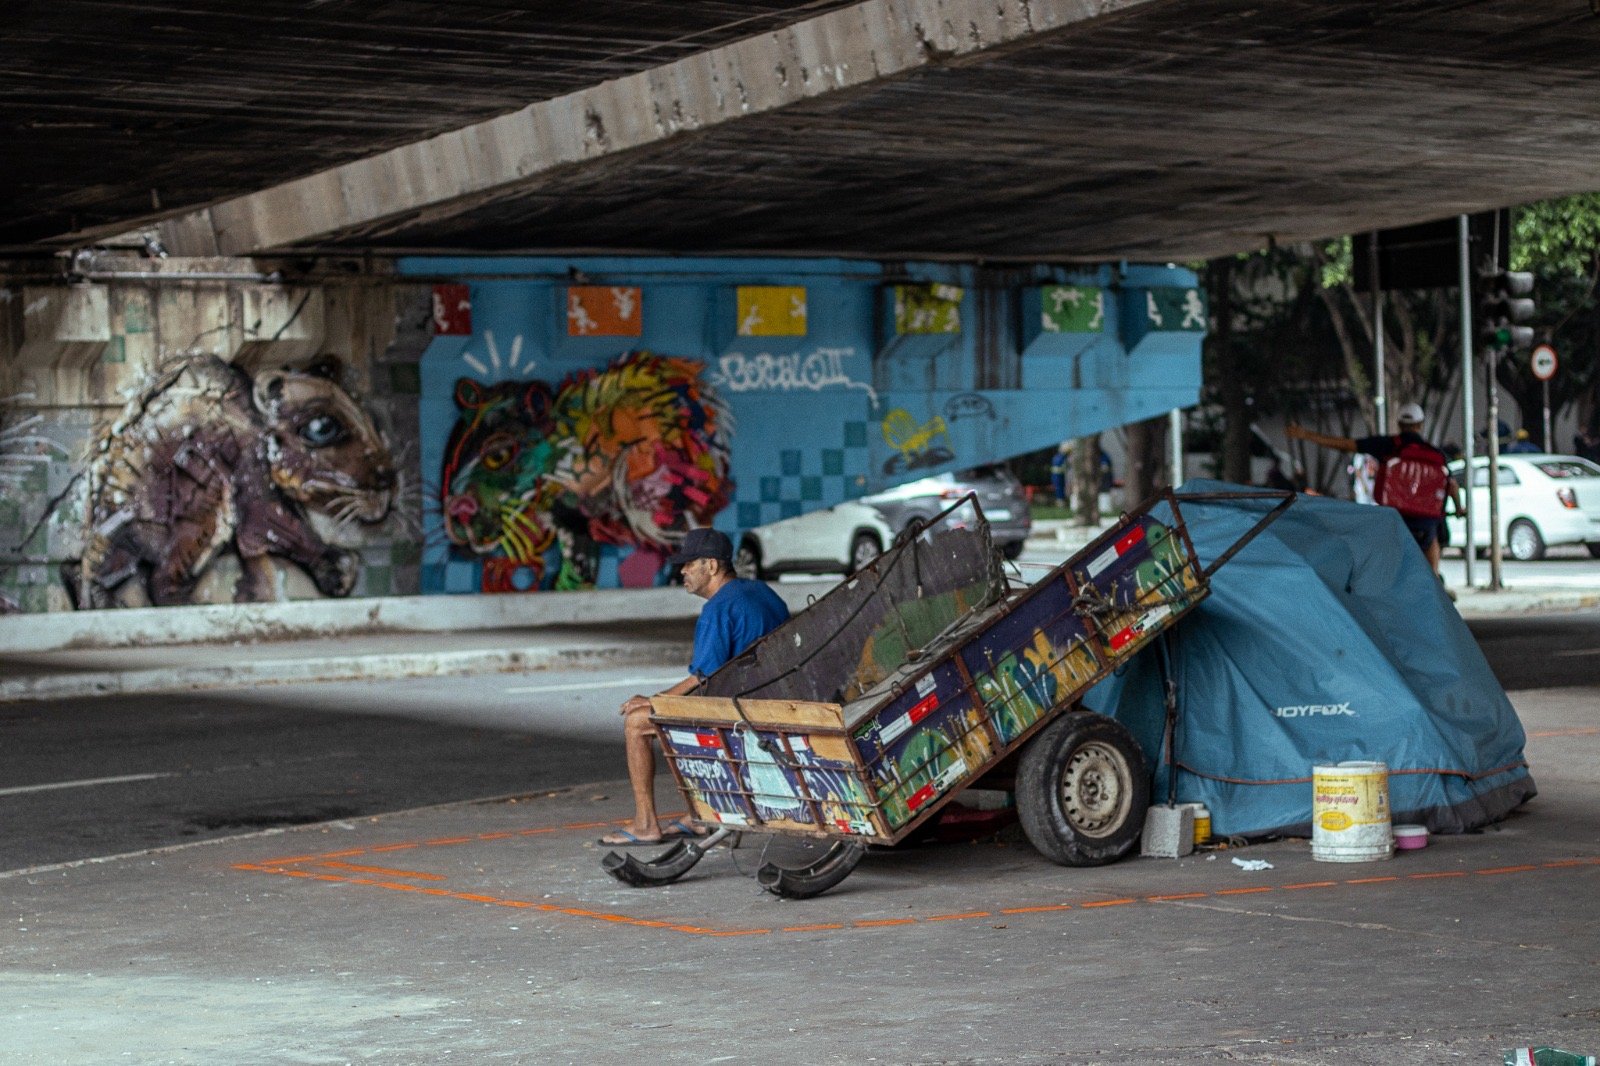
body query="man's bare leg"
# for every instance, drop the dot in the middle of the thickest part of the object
(637, 734)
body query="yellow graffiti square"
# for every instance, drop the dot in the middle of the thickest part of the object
(772, 310)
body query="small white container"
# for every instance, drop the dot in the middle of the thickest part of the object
(1410, 837)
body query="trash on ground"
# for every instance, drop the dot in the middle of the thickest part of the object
(1546, 1056)
(1252, 864)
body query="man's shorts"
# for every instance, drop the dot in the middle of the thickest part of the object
(1425, 530)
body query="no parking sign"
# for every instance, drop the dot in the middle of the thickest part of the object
(1543, 362)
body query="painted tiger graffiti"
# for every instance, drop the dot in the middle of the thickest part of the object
(630, 455)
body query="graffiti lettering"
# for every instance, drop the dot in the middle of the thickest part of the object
(968, 405)
(814, 372)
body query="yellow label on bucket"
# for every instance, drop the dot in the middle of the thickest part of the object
(1334, 821)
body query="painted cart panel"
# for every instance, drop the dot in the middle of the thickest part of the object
(864, 714)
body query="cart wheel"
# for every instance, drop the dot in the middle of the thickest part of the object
(665, 868)
(807, 881)
(1082, 790)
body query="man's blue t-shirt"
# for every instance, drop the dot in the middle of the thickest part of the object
(741, 613)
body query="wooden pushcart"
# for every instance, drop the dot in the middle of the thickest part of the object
(923, 675)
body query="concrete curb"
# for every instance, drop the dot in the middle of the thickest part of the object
(89, 684)
(1479, 603)
(144, 627)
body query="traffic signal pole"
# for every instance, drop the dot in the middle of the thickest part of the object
(1468, 420)
(1381, 393)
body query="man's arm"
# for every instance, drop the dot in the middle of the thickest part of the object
(642, 703)
(1343, 444)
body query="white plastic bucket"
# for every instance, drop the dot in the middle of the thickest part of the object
(1350, 813)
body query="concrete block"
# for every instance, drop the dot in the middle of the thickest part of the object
(1168, 832)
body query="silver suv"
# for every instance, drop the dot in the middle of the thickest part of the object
(999, 493)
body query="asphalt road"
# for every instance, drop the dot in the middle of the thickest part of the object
(102, 777)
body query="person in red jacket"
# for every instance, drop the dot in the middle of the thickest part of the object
(1412, 475)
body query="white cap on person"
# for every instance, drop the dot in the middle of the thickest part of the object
(1410, 414)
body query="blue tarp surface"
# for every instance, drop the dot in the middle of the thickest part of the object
(1326, 639)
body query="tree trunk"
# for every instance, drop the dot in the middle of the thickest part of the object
(1230, 379)
(1147, 465)
(1086, 480)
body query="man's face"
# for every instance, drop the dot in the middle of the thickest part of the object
(697, 575)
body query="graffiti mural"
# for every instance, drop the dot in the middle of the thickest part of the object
(207, 459)
(915, 444)
(632, 455)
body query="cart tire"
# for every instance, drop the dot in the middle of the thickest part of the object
(807, 881)
(661, 870)
(1082, 790)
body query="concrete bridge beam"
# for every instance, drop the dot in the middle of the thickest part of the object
(450, 173)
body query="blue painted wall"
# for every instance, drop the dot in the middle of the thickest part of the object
(811, 412)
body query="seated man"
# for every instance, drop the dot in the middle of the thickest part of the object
(736, 615)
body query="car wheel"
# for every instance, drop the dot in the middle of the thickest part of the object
(1012, 549)
(1082, 790)
(1524, 541)
(1594, 549)
(864, 547)
(747, 562)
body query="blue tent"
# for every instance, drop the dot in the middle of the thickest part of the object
(1326, 638)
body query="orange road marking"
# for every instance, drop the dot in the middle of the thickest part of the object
(1565, 732)
(286, 867)
(819, 927)
(384, 870)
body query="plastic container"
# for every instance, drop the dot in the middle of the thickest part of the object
(1202, 823)
(1410, 837)
(1350, 813)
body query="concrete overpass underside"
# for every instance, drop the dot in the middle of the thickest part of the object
(1047, 129)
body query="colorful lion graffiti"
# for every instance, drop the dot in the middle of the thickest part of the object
(630, 455)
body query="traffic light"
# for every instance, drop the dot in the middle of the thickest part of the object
(1504, 303)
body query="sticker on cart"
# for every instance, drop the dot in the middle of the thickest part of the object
(847, 825)
(1144, 625)
(952, 773)
(694, 740)
(926, 684)
(919, 710)
(1125, 544)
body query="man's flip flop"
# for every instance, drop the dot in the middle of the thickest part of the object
(624, 839)
(678, 828)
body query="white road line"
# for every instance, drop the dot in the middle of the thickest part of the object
(83, 784)
(625, 682)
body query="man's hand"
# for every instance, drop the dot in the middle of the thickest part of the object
(636, 704)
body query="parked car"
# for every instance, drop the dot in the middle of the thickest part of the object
(836, 540)
(1000, 494)
(1544, 500)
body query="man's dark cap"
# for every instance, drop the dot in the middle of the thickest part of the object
(702, 544)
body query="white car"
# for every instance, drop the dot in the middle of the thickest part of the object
(836, 540)
(1544, 500)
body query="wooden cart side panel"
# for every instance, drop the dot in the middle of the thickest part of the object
(780, 714)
